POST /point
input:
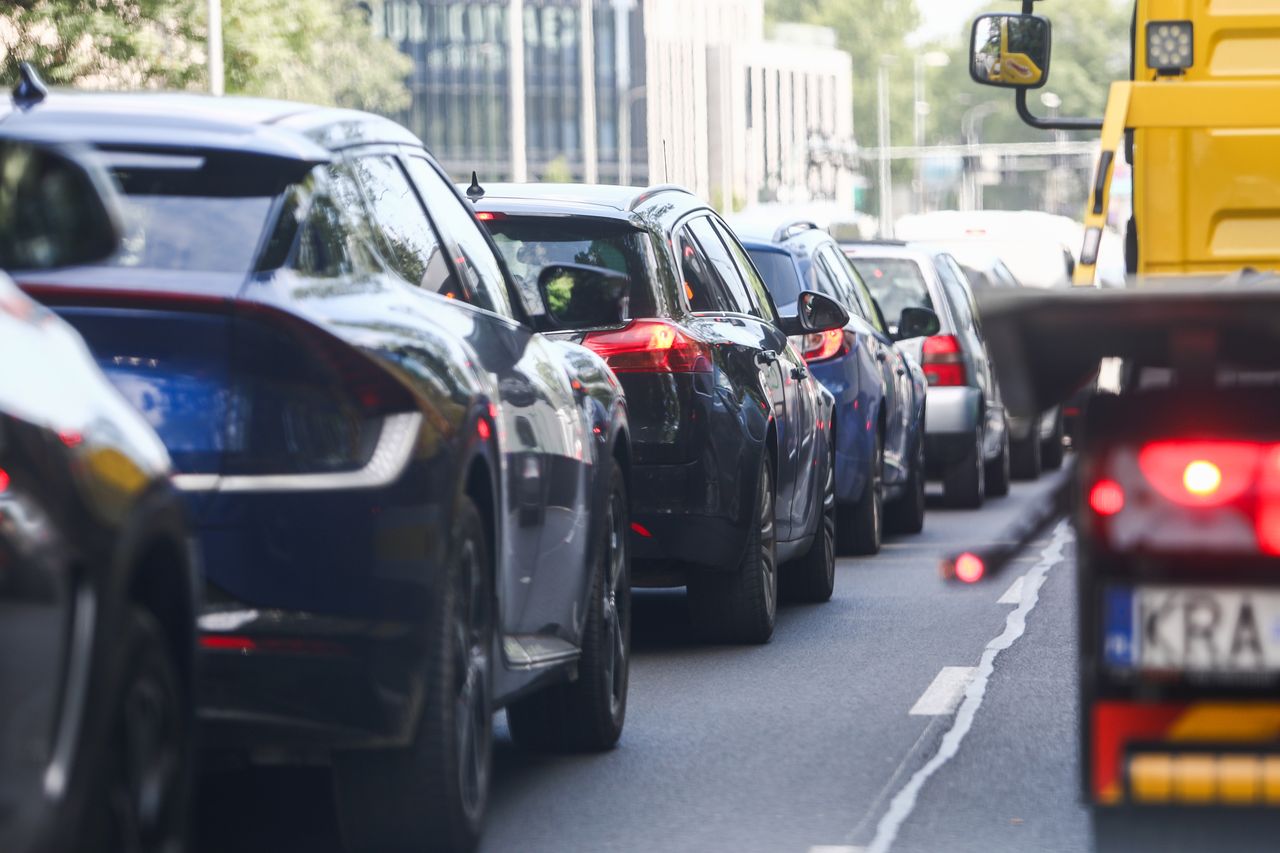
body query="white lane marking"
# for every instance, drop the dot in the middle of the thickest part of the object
(1013, 595)
(904, 802)
(836, 848)
(944, 694)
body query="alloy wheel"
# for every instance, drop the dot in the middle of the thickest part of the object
(768, 546)
(617, 609)
(473, 715)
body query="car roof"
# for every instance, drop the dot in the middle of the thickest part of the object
(285, 129)
(605, 200)
(887, 250)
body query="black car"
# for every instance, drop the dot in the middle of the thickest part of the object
(733, 471)
(411, 506)
(97, 589)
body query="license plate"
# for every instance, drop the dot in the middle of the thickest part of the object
(1193, 629)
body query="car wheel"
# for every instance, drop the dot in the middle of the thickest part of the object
(906, 514)
(963, 483)
(812, 578)
(1024, 457)
(142, 801)
(1053, 451)
(998, 470)
(432, 795)
(587, 714)
(741, 606)
(860, 525)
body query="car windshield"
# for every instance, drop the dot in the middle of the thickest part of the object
(194, 212)
(530, 244)
(1035, 263)
(780, 275)
(896, 283)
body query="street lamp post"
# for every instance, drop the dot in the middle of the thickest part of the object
(929, 59)
(886, 174)
(214, 46)
(970, 125)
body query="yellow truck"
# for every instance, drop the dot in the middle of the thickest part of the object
(1200, 118)
(1176, 491)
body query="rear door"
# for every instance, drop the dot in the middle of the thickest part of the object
(750, 355)
(542, 431)
(964, 310)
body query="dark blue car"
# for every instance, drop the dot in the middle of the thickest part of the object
(411, 506)
(879, 391)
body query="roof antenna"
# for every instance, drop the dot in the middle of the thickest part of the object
(30, 90)
(475, 192)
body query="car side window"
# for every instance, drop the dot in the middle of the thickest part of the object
(703, 289)
(966, 286)
(476, 259)
(865, 303)
(408, 240)
(761, 300)
(336, 238)
(956, 294)
(722, 263)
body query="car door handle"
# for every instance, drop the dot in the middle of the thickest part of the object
(798, 373)
(766, 357)
(902, 371)
(882, 356)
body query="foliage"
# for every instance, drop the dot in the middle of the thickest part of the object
(321, 51)
(557, 172)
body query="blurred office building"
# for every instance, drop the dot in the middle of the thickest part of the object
(630, 91)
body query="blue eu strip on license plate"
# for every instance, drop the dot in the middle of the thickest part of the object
(1120, 635)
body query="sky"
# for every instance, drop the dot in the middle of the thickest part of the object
(944, 18)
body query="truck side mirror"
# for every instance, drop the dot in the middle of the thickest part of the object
(1011, 51)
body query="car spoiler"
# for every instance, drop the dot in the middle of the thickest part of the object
(1048, 344)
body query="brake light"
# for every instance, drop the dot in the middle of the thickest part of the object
(970, 568)
(943, 361)
(651, 346)
(1200, 473)
(1106, 498)
(825, 345)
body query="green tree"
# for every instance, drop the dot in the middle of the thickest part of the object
(322, 51)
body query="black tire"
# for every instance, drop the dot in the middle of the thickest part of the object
(1053, 450)
(860, 525)
(587, 715)
(998, 470)
(741, 606)
(1024, 456)
(432, 794)
(141, 802)
(963, 482)
(812, 578)
(906, 514)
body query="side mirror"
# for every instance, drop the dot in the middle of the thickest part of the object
(817, 313)
(577, 296)
(917, 323)
(1011, 51)
(55, 209)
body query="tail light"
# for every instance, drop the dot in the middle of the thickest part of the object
(825, 346)
(943, 361)
(651, 346)
(246, 397)
(1190, 496)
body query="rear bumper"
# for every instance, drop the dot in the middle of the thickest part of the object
(290, 680)
(689, 516)
(953, 411)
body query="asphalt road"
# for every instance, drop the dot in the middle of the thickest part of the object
(905, 715)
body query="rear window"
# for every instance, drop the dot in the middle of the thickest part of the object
(530, 244)
(202, 212)
(896, 283)
(779, 275)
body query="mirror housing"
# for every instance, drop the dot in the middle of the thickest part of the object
(817, 313)
(917, 323)
(578, 296)
(56, 210)
(1011, 51)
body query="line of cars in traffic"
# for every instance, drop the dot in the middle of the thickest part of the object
(395, 456)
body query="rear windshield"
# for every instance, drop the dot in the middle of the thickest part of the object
(195, 212)
(529, 244)
(779, 275)
(896, 283)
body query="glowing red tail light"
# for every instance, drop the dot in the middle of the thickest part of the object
(970, 568)
(825, 346)
(943, 361)
(1200, 473)
(651, 346)
(1106, 498)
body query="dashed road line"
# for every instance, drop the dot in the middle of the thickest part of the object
(945, 692)
(904, 802)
